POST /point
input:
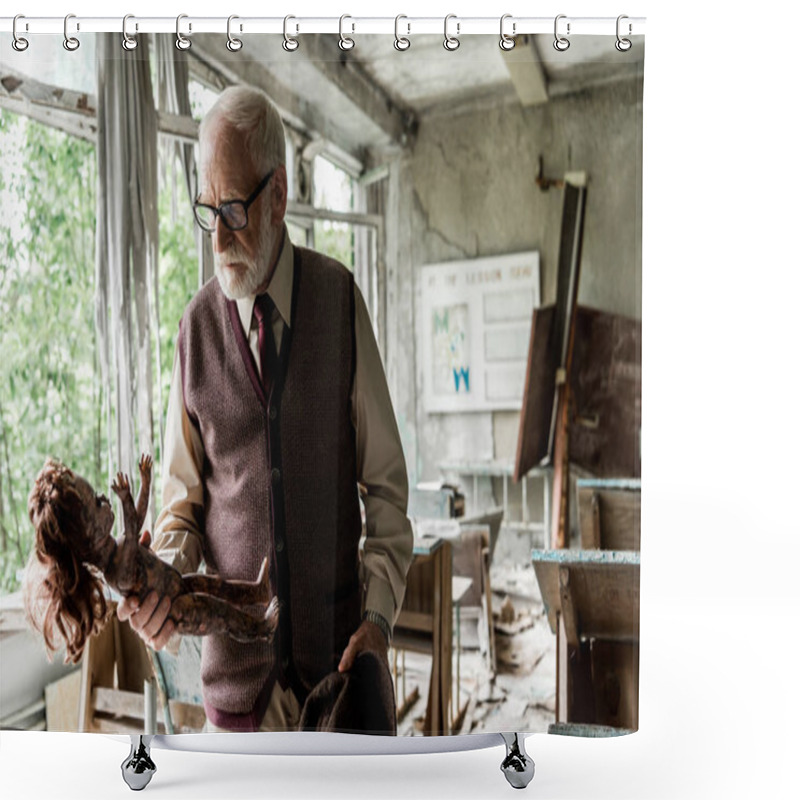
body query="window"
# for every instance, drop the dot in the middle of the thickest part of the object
(50, 390)
(336, 225)
(177, 269)
(201, 98)
(334, 191)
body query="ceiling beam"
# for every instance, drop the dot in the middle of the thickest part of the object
(525, 68)
(398, 122)
(67, 110)
(295, 111)
(72, 112)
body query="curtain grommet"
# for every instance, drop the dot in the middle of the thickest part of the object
(507, 42)
(128, 42)
(346, 42)
(182, 42)
(71, 43)
(451, 43)
(233, 44)
(623, 45)
(290, 44)
(401, 43)
(19, 43)
(561, 43)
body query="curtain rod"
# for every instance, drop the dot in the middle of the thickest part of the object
(349, 25)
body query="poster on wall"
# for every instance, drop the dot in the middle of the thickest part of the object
(475, 325)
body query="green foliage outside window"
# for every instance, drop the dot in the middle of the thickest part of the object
(177, 269)
(51, 394)
(50, 401)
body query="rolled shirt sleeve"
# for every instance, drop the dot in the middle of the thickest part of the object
(178, 530)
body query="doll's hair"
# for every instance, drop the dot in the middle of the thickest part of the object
(63, 597)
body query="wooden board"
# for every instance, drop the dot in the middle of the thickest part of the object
(425, 624)
(592, 604)
(97, 669)
(605, 379)
(586, 731)
(569, 270)
(537, 401)
(62, 700)
(615, 677)
(609, 519)
(493, 518)
(604, 590)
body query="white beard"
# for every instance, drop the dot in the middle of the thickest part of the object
(238, 284)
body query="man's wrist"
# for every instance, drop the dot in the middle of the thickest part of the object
(380, 621)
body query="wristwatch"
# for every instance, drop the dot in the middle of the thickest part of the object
(380, 621)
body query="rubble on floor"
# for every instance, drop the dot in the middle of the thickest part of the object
(521, 695)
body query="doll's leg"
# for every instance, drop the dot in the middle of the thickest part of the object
(240, 593)
(201, 615)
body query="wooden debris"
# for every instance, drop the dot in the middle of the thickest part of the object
(409, 701)
(522, 622)
(507, 612)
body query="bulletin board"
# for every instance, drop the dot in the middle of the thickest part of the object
(474, 326)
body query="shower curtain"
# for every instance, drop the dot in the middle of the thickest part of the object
(485, 203)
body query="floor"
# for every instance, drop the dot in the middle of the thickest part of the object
(521, 694)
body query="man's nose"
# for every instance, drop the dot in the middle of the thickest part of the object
(222, 236)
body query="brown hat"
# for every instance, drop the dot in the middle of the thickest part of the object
(358, 701)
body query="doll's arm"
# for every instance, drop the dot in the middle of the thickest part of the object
(145, 473)
(122, 488)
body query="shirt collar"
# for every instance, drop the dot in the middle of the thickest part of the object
(279, 289)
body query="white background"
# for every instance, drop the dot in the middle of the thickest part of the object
(719, 701)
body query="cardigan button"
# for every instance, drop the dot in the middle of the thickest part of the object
(279, 545)
(276, 475)
(273, 413)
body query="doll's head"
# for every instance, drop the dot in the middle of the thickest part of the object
(63, 593)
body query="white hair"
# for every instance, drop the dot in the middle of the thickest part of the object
(250, 112)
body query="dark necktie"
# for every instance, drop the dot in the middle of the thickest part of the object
(263, 313)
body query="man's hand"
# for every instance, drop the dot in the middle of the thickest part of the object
(367, 637)
(149, 618)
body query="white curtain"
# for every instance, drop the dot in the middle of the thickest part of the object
(173, 98)
(127, 245)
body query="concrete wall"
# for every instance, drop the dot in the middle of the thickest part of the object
(467, 189)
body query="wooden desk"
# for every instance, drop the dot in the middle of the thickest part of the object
(592, 602)
(425, 624)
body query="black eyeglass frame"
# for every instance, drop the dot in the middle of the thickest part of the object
(219, 212)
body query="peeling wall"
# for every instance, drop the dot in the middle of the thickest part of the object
(467, 190)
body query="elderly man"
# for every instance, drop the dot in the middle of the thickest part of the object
(278, 409)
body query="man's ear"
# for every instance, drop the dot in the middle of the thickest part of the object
(278, 196)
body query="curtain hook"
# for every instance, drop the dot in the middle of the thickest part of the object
(19, 43)
(346, 42)
(506, 41)
(401, 42)
(451, 42)
(623, 45)
(561, 43)
(233, 44)
(290, 44)
(71, 43)
(128, 42)
(181, 41)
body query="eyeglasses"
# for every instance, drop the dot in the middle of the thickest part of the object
(233, 213)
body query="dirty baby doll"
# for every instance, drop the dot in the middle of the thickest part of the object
(74, 546)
